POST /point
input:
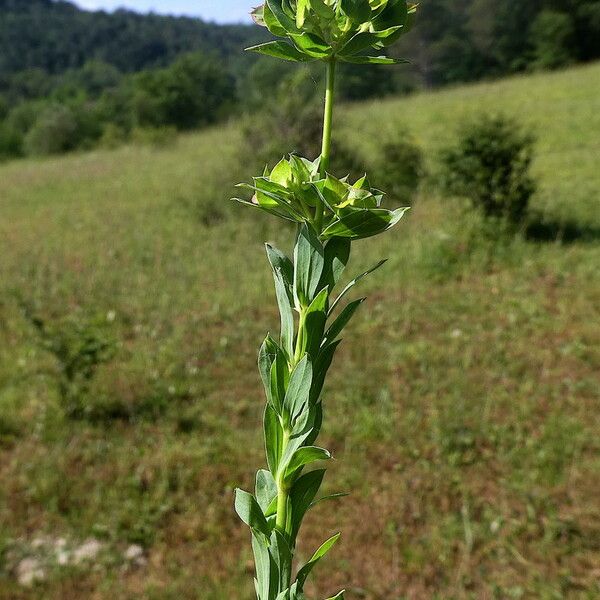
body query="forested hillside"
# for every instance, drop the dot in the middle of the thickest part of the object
(73, 79)
(463, 417)
(57, 36)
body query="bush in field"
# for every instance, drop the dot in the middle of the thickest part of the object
(194, 91)
(54, 131)
(11, 142)
(552, 35)
(399, 168)
(79, 345)
(490, 166)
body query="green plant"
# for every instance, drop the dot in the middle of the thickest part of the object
(490, 165)
(79, 346)
(552, 33)
(399, 167)
(330, 214)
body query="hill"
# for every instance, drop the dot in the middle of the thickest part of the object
(463, 414)
(56, 36)
(72, 79)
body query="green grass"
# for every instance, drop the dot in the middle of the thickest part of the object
(462, 410)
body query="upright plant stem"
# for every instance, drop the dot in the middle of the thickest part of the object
(282, 494)
(327, 127)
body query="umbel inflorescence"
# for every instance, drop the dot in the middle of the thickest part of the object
(331, 213)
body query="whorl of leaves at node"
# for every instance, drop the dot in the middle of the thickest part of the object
(334, 29)
(294, 187)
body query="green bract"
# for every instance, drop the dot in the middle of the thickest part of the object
(295, 188)
(331, 213)
(326, 29)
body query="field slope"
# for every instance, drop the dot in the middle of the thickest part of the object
(463, 409)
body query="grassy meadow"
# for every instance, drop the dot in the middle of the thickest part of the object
(463, 411)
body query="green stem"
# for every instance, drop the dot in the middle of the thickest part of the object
(327, 128)
(282, 493)
(300, 337)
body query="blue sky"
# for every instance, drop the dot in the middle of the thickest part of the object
(222, 11)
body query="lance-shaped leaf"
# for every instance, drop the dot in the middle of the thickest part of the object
(358, 10)
(285, 312)
(315, 416)
(264, 16)
(354, 282)
(250, 512)
(282, 50)
(281, 17)
(281, 213)
(373, 60)
(267, 577)
(387, 37)
(279, 379)
(394, 14)
(305, 431)
(338, 596)
(292, 593)
(304, 572)
(359, 224)
(272, 201)
(298, 390)
(315, 318)
(305, 456)
(301, 10)
(302, 495)
(323, 10)
(311, 44)
(279, 260)
(281, 175)
(334, 190)
(266, 357)
(337, 253)
(282, 557)
(321, 367)
(342, 320)
(308, 265)
(273, 438)
(357, 43)
(265, 489)
(329, 497)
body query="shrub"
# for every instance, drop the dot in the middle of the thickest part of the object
(79, 345)
(54, 131)
(552, 35)
(490, 166)
(399, 168)
(11, 142)
(193, 92)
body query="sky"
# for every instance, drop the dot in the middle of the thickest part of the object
(221, 11)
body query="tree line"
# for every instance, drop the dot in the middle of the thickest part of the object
(71, 79)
